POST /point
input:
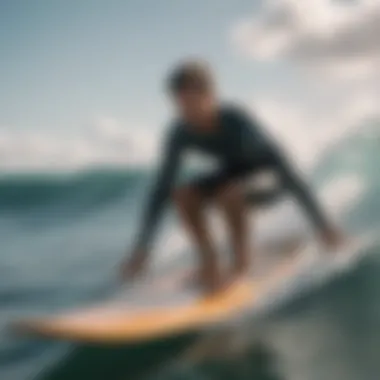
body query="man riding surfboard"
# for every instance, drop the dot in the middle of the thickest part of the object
(243, 150)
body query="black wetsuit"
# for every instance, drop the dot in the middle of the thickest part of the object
(241, 148)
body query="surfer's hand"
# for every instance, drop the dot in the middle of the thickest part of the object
(134, 265)
(332, 238)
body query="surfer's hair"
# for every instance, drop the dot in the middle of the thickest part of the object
(190, 74)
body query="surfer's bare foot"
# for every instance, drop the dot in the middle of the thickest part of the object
(210, 280)
(219, 284)
(205, 279)
(223, 285)
(212, 288)
(237, 275)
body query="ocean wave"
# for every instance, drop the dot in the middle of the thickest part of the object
(23, 192)
(354, 158)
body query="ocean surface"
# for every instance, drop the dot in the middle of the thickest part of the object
(63, 236)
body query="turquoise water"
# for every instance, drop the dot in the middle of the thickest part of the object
(64, 235)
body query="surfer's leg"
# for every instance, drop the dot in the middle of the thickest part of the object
(231, 198)
(190, 205)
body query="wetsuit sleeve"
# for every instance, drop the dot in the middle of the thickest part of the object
(160, 192)
(292, 181)
(264, 148)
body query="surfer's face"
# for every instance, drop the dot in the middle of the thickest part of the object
(195, 103)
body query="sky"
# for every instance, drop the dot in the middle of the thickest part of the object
(82, 80)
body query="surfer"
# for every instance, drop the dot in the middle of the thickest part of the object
(236, 140)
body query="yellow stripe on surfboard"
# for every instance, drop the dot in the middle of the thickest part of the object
(105, 324)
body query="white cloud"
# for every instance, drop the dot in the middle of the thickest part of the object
(106, 142)
(307, 130)
(340, 37)
(335, 43)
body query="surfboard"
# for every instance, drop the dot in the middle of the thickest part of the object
(118, 322)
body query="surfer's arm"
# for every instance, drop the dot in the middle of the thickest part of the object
(292, 180)
(160, 192)
(254, 139)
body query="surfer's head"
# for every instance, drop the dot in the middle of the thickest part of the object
(191, 86)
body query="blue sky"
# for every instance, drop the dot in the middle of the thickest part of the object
(69, 65)
(65, 62)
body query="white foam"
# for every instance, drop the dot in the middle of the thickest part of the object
(315, 268)
(343, 192)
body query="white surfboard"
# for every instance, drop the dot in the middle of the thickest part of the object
(116, 321)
